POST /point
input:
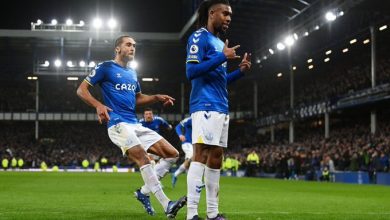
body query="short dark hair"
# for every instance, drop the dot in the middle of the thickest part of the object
(119, 40)
(148, 109)
(203, 11)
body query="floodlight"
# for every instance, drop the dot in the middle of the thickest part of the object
(57, 63)
(330, 16)
(280, 46)
(92, 64)
(82, 63)
(289, 40)
(69, 22)
(54, 22)
(97, 23)
(134, 64)
(112, 23)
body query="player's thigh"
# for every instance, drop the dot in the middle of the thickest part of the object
(164, 149)
(123, 135)
(155, 144)
(147, 136)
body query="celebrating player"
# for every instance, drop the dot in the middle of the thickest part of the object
(207, 58)
(121, 92)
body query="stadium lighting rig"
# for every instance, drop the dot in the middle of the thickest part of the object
(32, 78)
(71, 67)
(72, 64)
(97, 24)
(329, 52)
(148, 79)
(290, 39)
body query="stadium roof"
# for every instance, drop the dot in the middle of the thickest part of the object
(161, 28)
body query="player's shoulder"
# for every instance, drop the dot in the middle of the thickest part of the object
(186, 120)
(158, 118)
(104, 64)
(141, 120)
(198, 35)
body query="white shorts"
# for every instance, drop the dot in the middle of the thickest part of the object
(209, 127)
(126, 136)
(188, 150)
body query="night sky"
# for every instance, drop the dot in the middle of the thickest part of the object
(133, 15)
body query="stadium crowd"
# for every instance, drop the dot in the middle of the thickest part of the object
(350, 148)
(67, 144)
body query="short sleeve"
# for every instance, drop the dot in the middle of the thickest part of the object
(96, 76)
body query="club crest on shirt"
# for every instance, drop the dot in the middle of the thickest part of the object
(194, 49)
(92, 74)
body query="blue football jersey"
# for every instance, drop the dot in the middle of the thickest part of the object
(119, 87)
(186, 125)
(209, 88)
(155, 124)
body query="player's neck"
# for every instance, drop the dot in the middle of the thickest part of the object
(120, 62)
(210, 28)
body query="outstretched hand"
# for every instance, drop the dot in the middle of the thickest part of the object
(245, 64)
(166, 100)
(230, 53)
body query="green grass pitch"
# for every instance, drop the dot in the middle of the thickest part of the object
(26, 195)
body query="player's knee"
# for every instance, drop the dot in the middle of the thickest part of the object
(171, 153)
(143, 160)
(138, 156)
(175, 154)
(171, 160)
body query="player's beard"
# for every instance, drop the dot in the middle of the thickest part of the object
(221, 30)
(128, 58)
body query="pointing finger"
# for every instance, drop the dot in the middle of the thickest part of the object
(236, 47)
(249, 57)
(245, 57)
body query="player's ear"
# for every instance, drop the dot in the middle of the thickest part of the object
(117, 50)
(211, 13)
